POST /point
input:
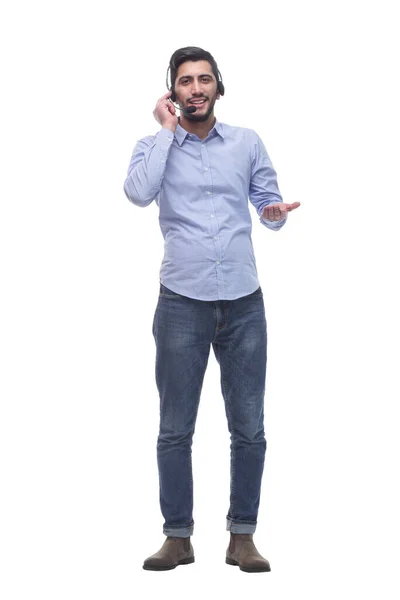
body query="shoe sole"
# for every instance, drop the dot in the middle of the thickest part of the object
(184, 561)
(230, 561)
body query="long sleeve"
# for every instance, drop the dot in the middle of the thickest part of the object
(264, 188)
(147, 167)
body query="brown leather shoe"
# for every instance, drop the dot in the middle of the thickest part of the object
(174, 551)
(243, 553)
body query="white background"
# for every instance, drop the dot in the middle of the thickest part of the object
(79, 287)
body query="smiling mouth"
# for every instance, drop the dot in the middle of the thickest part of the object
(198, 102)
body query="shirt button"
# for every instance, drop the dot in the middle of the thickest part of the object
(208, 193)
(206, 168)
(216, 237)
(212, 216)
(218, 263)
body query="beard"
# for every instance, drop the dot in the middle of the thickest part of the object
(198, 117)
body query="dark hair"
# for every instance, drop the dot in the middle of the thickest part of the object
(192, 53)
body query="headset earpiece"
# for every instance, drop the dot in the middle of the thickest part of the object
(173, 95)
(220, 85)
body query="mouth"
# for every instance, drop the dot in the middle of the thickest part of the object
(198, 102)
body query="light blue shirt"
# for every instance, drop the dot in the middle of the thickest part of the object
(202, 188)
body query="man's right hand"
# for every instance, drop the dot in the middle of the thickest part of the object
(165, 113)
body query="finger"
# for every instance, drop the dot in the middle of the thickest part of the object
(164, 105)
(283, 212)
(163, 99)
(170, 107)
(269, 211)
(294, 205)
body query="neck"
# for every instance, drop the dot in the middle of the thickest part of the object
(201, 129)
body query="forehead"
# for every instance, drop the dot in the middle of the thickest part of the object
(193, 68)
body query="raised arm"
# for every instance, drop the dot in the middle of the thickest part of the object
(149, 158)
(147, 167)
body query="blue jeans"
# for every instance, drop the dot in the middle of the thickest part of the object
(184, 329)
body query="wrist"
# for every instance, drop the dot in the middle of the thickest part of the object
(169, 126)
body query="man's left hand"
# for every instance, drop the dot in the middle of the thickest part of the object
(277, 212)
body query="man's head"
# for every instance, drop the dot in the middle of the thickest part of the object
(194, 78)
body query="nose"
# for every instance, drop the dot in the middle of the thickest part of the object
(195, 88)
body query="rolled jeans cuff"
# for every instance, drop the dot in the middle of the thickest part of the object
(241, 527)
(178, 531)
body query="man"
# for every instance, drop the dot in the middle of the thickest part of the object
(201, 174)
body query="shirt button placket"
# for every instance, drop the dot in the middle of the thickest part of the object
(214, 223)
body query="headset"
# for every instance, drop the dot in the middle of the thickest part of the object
(220, 85)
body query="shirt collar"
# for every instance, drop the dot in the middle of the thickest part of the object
(181, 133)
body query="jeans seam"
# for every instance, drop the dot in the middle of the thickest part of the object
(228, 411)
(190, 453)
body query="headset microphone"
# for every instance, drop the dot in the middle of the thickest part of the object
(188, 109)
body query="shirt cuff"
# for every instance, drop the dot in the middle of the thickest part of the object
(275, 225)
